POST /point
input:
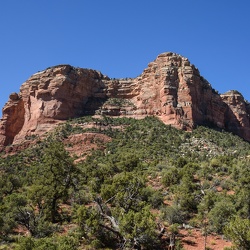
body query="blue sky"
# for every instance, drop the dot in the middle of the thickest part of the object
(120, 37)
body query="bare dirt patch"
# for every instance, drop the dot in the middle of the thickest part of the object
(81, 145)
(194, 240)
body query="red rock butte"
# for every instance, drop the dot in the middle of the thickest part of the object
(170, 88)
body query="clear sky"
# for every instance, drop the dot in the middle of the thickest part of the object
(120, 37)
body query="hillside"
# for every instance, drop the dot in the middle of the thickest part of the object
(124, 183)
(160, 161)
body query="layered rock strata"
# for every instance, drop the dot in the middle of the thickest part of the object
(170, 88)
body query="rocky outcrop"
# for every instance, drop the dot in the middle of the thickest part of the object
(237, 117)
(47, 98)
(170, 88)
(13, 119)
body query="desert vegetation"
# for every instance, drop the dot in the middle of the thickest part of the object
(137, 191)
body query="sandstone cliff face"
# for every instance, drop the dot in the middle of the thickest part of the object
(237, 117)
(13, 119)
(48, 97)
(170, 88)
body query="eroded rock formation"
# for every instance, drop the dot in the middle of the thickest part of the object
(170, 88)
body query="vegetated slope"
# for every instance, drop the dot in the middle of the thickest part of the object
(139, 185)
